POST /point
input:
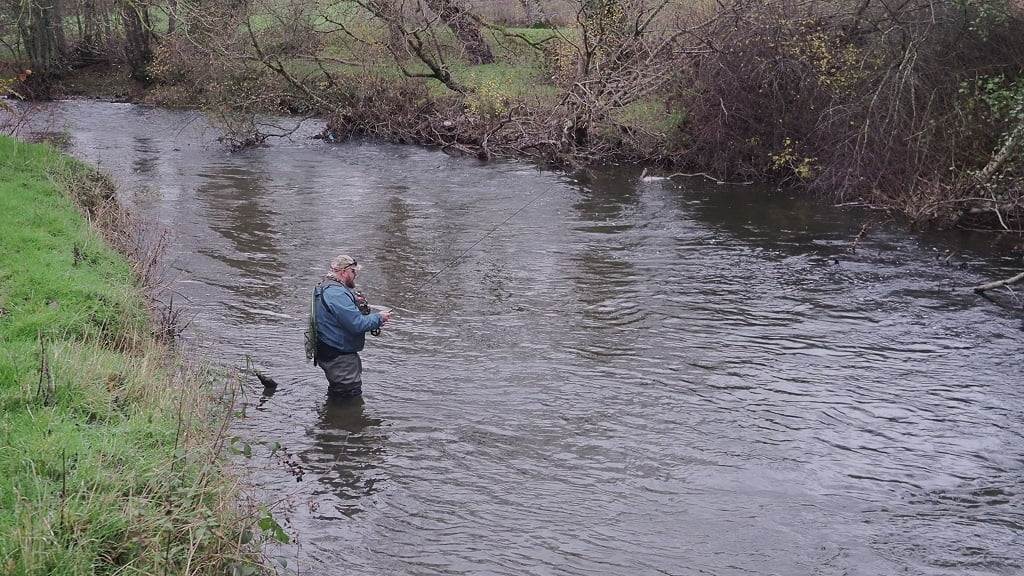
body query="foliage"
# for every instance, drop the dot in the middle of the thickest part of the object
(790, 162)
(8, 88)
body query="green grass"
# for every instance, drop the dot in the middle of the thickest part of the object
(651, 115)
(109, 452)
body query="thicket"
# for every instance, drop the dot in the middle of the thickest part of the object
(916, 106)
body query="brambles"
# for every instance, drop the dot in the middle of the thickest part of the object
(863, 102)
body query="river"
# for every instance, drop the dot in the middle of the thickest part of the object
(589, 374)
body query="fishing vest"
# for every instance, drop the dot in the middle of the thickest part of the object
(310, 336)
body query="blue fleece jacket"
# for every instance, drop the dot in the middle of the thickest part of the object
(340, 325)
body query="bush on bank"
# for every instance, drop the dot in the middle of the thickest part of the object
(110, 444)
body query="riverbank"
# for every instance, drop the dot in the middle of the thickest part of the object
(835, 109)
(112, 442)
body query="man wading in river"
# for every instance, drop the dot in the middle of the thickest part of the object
(341, 318)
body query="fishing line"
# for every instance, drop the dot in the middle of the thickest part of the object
(471, 247)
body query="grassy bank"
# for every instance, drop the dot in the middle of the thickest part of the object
(109, 443)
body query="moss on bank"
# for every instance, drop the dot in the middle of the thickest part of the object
(110, 454)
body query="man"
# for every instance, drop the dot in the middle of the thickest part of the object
(341, 326)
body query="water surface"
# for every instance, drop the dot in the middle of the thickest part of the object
(591, 374)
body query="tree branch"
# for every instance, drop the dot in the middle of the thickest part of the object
(999, 283)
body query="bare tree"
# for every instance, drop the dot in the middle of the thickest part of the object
(625, 51)
(534, 12)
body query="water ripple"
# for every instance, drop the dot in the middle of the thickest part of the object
(624, 378)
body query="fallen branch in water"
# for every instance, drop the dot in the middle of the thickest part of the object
(999, 283)
(645, 178)
(860, 236)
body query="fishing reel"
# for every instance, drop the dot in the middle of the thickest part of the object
(364, 307)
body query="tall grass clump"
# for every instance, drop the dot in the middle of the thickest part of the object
(109, 442)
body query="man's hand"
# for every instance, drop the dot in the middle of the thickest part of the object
(385, 315)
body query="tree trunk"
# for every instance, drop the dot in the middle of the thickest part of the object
(137, 34)
(466, 29)
(172, 16)
(1004, 154)
(391, 14)
(43, 38)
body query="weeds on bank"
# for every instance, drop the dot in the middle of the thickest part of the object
(110, 445)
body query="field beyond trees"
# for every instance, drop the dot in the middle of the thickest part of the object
(916, 107)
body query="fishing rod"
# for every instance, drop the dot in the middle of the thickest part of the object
(423, 284)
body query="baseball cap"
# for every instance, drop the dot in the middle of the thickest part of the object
(344, 261)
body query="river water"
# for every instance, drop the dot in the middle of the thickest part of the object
(590, 374)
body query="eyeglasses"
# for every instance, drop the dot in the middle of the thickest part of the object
(353, 265)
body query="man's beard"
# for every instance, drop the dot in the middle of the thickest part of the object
(351, 282)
